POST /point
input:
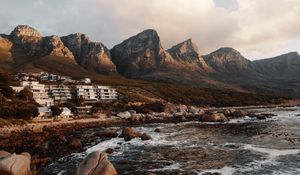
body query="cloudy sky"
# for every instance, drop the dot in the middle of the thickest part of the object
(257, 28)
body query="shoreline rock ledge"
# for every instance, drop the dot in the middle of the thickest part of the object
(15, 164)
(96, 163)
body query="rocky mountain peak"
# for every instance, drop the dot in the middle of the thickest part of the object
(93, 56)
(25, 34)
(148, 39)
(52, 45)
(140, 54)
(187, 52)
(227, 59)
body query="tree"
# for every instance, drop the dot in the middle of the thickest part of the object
(56, 111)
(5, 89)
(26, 111)
(26, 94)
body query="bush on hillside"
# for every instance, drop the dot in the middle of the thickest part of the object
(56, 110)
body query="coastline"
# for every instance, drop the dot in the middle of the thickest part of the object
(49, 141)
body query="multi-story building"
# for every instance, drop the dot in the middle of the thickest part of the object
(105, 93)
(38, 90)
(94, 93)
(86, 92)
(60, 93)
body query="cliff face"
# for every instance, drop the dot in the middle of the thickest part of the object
(187, 53)
(140, 54)
(5, 50)
(227, 60)
(93, 56)
(34, 45)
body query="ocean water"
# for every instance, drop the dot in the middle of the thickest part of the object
(241, 147)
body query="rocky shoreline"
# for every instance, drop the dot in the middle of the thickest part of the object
(52, 142)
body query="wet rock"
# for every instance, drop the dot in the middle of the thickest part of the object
(231, 145)
(110, 151)
(239, 114)
(268, 115)
(15, 164)
(216, 117)
(124, 115)
(107, 133)
(261, 117)
(75, 143)
(146, 136)
(211, 173)
(129, 133)
(229, 111)
(96, 163)
(157, 130)
(136, 118)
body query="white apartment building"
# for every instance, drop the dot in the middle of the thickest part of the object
(38, 90)
(94, 93)
(105, 93)
(87, 92)
(60, 93)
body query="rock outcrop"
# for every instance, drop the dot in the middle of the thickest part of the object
(15, 164)
(187, 53)
(227, 60)
(53, 45)
(216, 117)
(32, 42)
(96, 163)
(130, 133)
(23, 34)
(140, 54)
(27, 38)
(93, 56)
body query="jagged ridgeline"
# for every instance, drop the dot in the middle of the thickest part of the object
(143, 57)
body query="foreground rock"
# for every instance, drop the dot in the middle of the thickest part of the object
(217, 117)
(13, 164)
(130, 133)
(146, 136)
(96, 163)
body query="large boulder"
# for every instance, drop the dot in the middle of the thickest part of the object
(239, 113)
(170, 108)
(196, 111)
(109, 133)
(146, 136)
(182, 108)
(13, 164)
(229, 111)
(4, 154)
(124, 115)
(216, 117)
(129, 133)
(96, 163)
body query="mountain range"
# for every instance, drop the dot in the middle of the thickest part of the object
(143, 57)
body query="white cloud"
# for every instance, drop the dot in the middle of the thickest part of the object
(258, 28)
